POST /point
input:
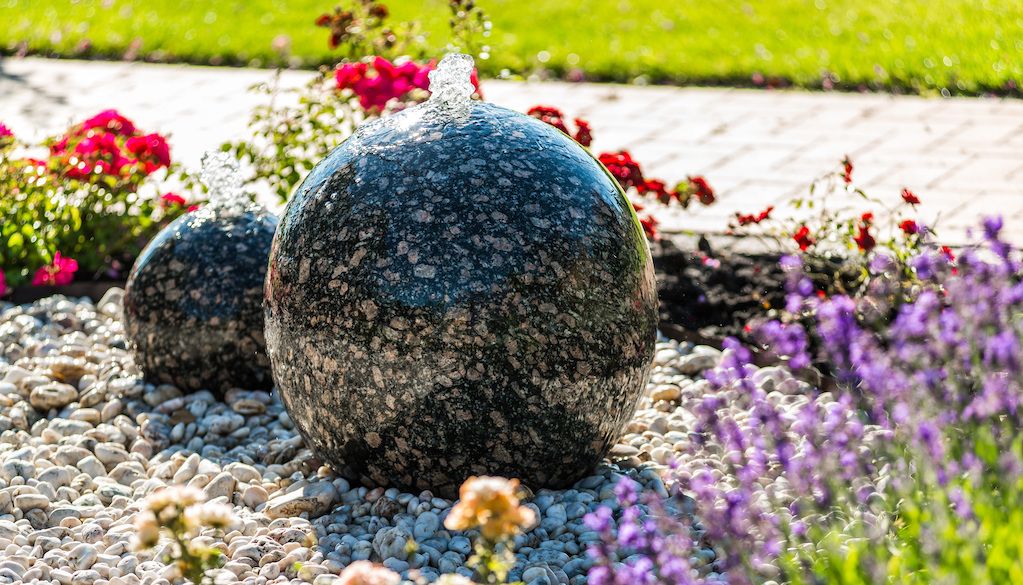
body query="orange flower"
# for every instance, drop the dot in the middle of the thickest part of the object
(492, 505)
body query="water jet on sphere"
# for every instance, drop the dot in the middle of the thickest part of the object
(459, 289)
(193, 305)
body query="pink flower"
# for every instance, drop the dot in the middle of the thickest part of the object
(58, 273)
(378, 82)
(349, 74)
(5, 132)
(3, 284)
(98, 152)
(151, 151)
(112, 121)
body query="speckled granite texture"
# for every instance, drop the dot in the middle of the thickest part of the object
(460, 293)
(193, 306)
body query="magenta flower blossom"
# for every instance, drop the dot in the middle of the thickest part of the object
(379, 82)
(60, 272)
(110, 121)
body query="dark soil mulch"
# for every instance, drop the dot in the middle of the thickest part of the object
(715, 294)
(94, 289)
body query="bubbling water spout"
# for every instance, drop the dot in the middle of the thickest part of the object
(221, 176)
(451, 82)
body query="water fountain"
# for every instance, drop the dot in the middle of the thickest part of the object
(193, 305)
(459, 289)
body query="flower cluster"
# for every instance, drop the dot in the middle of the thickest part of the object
(88, 207)
(940, 375)
(379, 82)
(381, 71)
(629, 174)
(913, 451)
(553, 116)
(833, 224)
(837, 242)
(182, 512)
(108, 146)
(627, 171)
(754, 218)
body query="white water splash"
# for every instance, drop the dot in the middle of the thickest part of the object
(451, 82)
(220, 174)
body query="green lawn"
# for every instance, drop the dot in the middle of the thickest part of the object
(964, 46)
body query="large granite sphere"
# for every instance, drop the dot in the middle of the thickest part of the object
(460, 294)
(193, 305)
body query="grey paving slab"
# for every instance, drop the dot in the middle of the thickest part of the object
(962, 156)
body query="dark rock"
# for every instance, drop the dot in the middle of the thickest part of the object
(456, 294)
(193, 305)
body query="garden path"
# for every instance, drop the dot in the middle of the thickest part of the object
(962, 156)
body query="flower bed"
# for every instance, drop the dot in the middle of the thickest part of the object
(85, 209)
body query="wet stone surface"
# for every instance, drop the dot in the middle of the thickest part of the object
(457, 291)
(193, 304)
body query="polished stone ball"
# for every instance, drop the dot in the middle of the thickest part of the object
(460, 294)
(193, 305)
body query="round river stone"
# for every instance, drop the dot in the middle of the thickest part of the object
(193, 305)
(460, 293)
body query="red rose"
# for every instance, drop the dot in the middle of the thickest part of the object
(847, 169)
(171, 200)
(863, 239)
(909, 226)
(910, 197)
(583, 135)
(701, 189)
(657, 188)
(552, 116)
(623, 168)
(649, 227)
(802, 237)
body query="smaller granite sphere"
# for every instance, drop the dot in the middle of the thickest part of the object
(193, 305)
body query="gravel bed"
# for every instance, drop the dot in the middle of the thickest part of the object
(83, 440)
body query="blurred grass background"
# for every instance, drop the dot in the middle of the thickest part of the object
(925, 46)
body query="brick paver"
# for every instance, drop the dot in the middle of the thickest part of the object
(964, 157)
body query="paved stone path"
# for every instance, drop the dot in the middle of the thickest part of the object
(963, 157)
